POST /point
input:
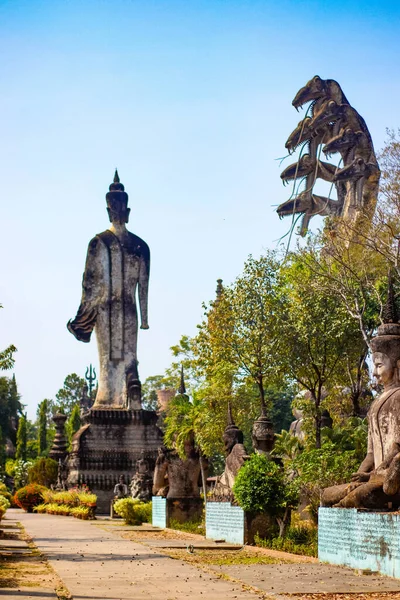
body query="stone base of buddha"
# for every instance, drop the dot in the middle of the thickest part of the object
(360, 539)
(108, 445)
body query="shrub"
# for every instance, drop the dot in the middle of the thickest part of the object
(259, 486)
(4, 504)
(133, 511)
(43, 471)
(298, 540)
(87, 499)
(29, 496)
(82, 512)
(40, 508)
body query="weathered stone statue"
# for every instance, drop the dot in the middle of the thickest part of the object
(377, 482)
(121, 489)
(142, 481)
(263, 436)
(117, 269)
(59, 449)
(236, 455)
(338, 128)
(175, 477)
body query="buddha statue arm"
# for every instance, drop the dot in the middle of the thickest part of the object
(368, 464)
(93, 289)
(143, 286)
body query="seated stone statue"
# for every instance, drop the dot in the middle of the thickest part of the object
(121, 489)
(142, 481)
(175, 477)
(236, 455)
(376, 484)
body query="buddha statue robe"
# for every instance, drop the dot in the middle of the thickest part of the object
(116, 268)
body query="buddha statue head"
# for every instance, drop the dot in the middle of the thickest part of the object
(117, 202)
(386, 345)
(232, 434)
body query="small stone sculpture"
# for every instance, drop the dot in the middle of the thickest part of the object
(142, 481)
(59, 448)
(376, 484)
(175, 477)
(236, 455)
(117, 270)
(121, 489)
(263, 435)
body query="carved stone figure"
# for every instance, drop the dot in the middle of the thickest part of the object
(175, 477)
(338, 128)
(263, 436)
(296, 428)
(117, 268)
(376, 484)
(142, 481)
(85, 403)
(121, 489)
(236, 455)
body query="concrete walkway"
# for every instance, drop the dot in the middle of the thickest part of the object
(95, 564)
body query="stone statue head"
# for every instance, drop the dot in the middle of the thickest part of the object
(263, 435)
(232, 434)
(117, 202)
(386, 354)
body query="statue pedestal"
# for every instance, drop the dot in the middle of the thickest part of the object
(108, 446)
(177, 509)
(360, 539)
(225, 521)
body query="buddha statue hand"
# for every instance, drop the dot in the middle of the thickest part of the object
(360, 477)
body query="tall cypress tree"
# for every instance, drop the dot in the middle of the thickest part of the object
(21, 439)
(73, 423)
(42, 434)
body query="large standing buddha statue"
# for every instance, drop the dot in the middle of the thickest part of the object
(117, 269)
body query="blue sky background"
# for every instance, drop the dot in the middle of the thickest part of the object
(192, 102)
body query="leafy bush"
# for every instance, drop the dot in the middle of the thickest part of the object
(43, 471)
(298, 540)
(82, 512)
(29, 496)
(4, 492)
(40, 508)
(19, 470)
(133, 511)
(259, 486)
(4, 504)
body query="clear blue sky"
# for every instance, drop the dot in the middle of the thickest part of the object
(192, 102)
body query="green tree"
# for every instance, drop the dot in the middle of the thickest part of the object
(42, 438)
(73, 423)
(150, 387)
(318, 339)
(69, 395)
(21, 453)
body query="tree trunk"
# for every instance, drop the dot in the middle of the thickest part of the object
(284, 522)
(203, 478)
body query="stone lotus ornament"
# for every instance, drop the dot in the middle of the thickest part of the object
(116, 272)
(263, 435)
(376, 484)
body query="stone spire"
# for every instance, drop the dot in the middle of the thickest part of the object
(182, 388)
(390, 313)
(219, 290)
(117, 190)
(60, 443)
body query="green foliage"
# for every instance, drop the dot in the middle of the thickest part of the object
(133, 511)
(43, 471)
(29, 496)
(19, 470)
(82, 512)
(299, 539)
(7, 356)
(10, 407)
(69, 395)
(260, 486)
(42, 438)
(192, 526)
(21, 453)
(154, 383)
(73, 423)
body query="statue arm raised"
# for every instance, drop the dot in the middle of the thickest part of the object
(92, 291)
(144, 273)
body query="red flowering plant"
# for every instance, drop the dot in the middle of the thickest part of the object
(29, 496)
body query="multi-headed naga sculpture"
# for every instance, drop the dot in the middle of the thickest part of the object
(332, 126)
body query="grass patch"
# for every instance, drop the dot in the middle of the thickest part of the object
(300, 539)
(194, 526)
(223, 557)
